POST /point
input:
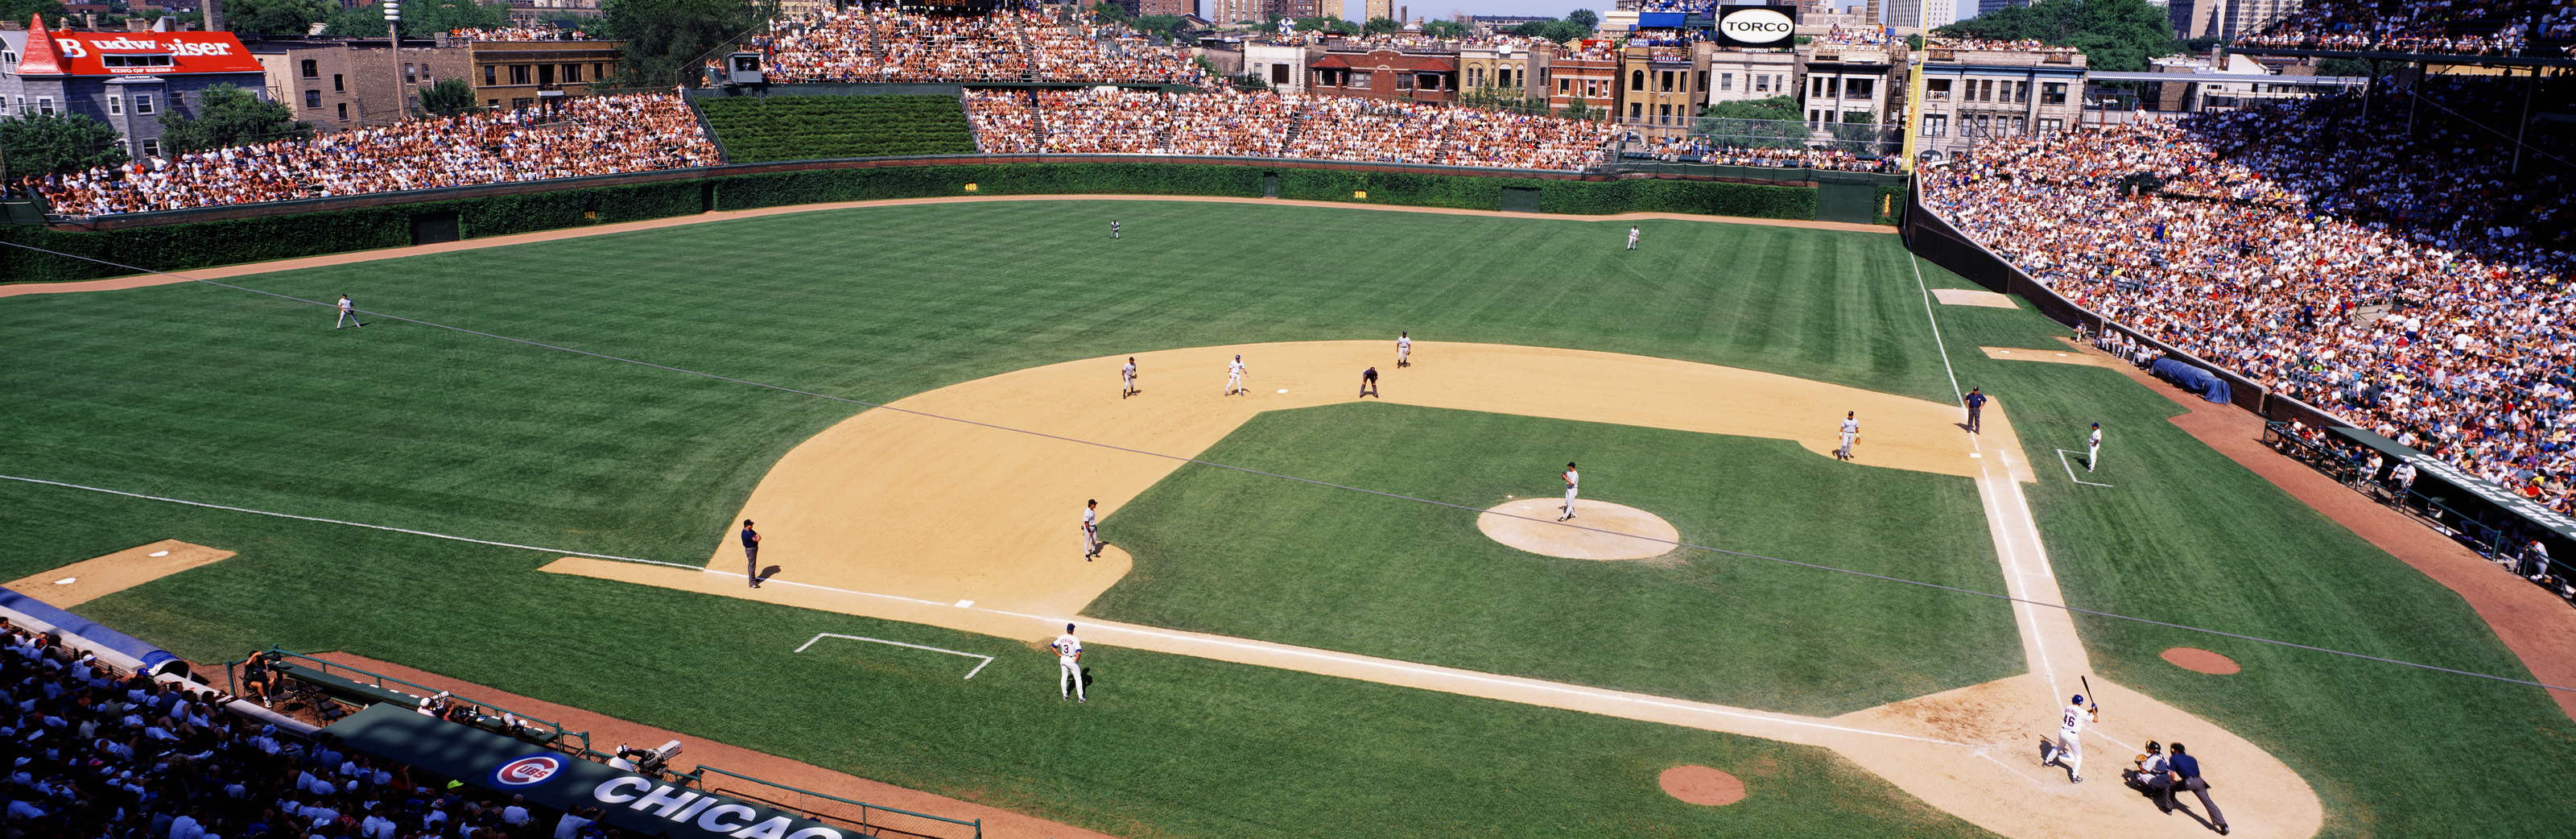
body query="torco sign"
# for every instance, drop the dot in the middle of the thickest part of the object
(1756, 26)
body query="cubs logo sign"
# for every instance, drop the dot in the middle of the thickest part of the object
(527, 771)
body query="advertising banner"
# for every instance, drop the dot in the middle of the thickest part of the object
(1757, 27)
(638, 803)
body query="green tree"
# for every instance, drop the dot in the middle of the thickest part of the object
(1586, 18)
(1448, 29)
(1763, 123)
(275, 17)
(1381, 26)
(1914, 42)
(1109, 12)
(1169, 26)
(449, 97)
(230, 116)
(1327, 23)
(2114, 35)
(56, 143)
(666, 38)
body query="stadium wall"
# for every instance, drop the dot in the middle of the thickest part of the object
(195, 238)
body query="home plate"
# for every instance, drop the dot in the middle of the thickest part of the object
(1530, 525)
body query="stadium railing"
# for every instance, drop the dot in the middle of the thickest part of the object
(870, 819)
(366, 687)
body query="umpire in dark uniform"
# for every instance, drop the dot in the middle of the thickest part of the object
(751, 551)
(2188, 768)
(1976, 403)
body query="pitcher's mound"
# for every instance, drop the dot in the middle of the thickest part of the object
(1544, 536)
(2202, 661)
(1698, 784)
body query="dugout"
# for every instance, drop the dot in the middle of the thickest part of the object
(2489, 517)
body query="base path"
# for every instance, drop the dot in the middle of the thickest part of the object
(914, 518)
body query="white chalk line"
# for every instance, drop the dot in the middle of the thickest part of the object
(2070, 469)
(323, 520)
(969, 674)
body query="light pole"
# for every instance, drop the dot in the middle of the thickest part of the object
(393, 62)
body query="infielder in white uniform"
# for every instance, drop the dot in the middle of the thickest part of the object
(1571, 481)
(2070, 751)
(1127, 378)
(1851, 431)
(2093, 458)
(1234, 377)
(348, 314)
(1090, 529)
(1068, 657)
(1403, 349)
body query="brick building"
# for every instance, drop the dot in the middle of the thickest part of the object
(1385, 74)
(1585, 76)
(1973, 95)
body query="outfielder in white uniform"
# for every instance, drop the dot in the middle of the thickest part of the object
(1068, 658)
(1851, 431)
(2093, 457)
(1403, 349)
(1090, 529)
(1571, 481)
(1127, 378)
(2070, 751)
(1632, 238)
(1234, 377)
(348, 314)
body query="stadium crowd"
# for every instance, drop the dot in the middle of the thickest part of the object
(518, 33)
(2468, 357)
(1700, 150)
(1269, 124)
(864, 45)
(2443, 27)
(103, 754)
(590, 135)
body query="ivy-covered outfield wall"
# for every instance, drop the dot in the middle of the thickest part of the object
(286, 233)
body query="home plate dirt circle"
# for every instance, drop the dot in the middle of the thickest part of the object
(1699, 784)
(2201, 661)
(1535, 529)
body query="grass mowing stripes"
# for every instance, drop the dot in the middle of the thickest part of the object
(213, 395)
(2188, 536)
(1169, 746)
(1221, 551)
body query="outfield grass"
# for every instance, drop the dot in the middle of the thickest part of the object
(2186, 535)
(205, 393)
(1223, 551)
(209, 394)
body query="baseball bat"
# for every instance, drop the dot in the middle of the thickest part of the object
(2088, 691)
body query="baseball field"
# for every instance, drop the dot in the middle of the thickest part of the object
(634, 395)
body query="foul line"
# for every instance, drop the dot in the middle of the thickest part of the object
(1916, 263)
(2070, 469)
(969, 674)
(1912, 259)
(322, 520)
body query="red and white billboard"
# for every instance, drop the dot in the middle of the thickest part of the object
(133, 53)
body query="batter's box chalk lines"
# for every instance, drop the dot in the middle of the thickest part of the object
(2070, 469)
(969, 674)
